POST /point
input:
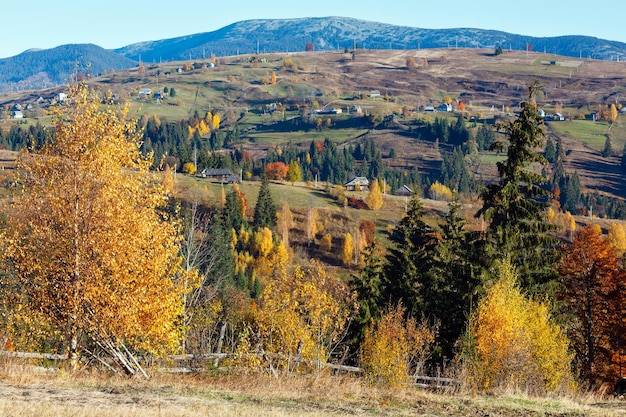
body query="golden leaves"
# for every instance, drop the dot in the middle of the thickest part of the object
(374, 198)
(392, 346)
(304, 314)
(516, 344)
(90, 239)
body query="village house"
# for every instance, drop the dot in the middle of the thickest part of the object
(222, 174)
(405, 190)
(357, 184)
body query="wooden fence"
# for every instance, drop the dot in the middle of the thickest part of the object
(185, 364)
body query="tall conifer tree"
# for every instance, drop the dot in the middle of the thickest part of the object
(265, 209)
(514, 207)
(407, 272)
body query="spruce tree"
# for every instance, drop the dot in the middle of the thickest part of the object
(265, 209)
(485, 137)
(368, 286)
(549, 151)
(608, 147)
(457, 274)
(514, 207)
(222, 270)
(407, 271)
(232, 214)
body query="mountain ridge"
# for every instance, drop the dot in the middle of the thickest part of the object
(48, 67)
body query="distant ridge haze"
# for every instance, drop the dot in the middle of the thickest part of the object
(44, 68)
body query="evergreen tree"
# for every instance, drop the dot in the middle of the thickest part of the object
(440, 130)
(455, 172)
(560, 152)
(368, 287)
(571, 192)
(457, 273)
(485, 137)
(265, 209)
(232, 214)
(223, 268)
(623, 163)
(458, 133)
(549, 151)
(608, 147)
(407, 271)
(514, 206)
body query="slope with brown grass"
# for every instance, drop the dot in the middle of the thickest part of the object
(35, 392)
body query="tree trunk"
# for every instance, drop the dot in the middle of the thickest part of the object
(73, 348)
(220, 342)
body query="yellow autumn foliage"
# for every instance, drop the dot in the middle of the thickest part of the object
(395, 347)
(327, 242)
(438, 191)
(89, 241)
(617, 237)
(514, 343)
(550, 214)
(374, 199)
(303, 315)
(348, 250)
(189, 168)
(284, 222)
(203, 129)
(262, 242)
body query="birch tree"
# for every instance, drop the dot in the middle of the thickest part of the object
(90, 239)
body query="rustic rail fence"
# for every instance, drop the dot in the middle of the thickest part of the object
(185, 364)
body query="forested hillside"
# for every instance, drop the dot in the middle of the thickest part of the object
(39, 69)
(264, 216)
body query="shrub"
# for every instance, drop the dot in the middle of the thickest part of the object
(514, 343)
(189, 168)
(357, 203)
(393, 347)
(368, 228)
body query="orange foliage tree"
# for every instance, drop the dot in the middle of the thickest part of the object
(276, 171)
(593, 295)
(90, 241)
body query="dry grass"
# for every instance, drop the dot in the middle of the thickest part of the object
(30, 392)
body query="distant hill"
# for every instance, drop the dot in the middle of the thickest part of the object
(326, 33)
(44, 68)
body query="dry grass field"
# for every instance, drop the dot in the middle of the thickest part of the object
(28, 392)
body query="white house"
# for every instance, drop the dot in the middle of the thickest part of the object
(357, 184)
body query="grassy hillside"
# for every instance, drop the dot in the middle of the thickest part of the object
(240, 91)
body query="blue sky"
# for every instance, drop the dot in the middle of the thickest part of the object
(115, 23)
